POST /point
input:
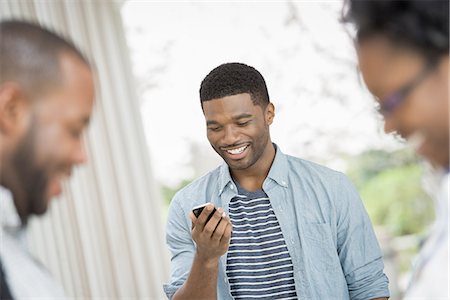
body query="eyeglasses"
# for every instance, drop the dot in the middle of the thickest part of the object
(389, 104)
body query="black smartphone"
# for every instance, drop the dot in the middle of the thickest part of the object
(198, 210)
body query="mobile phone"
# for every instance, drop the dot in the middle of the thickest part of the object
(198, 210)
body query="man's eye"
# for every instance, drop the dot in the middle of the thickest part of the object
(214, 128)
(243, 123)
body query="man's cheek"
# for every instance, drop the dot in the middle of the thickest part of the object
(46, 148)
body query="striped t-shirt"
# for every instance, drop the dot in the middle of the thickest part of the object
(258, 262)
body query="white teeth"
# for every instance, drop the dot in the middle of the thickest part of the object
(237, 150)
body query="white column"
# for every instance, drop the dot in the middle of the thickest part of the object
(104, 236)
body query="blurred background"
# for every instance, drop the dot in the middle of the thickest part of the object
(148, 137)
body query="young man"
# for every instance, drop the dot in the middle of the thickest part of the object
(46, 99)
(403, 51)
(296, 230)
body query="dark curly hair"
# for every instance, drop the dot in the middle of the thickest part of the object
(422, 25)
(234, 78)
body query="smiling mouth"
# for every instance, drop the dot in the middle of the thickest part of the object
(237, 150)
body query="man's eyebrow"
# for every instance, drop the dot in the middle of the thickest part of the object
(235, 118)
(242, 116)
(211, 122)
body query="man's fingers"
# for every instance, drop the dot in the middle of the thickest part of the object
(213, 222)
(201, 220)
(217, 235)
(226, 236)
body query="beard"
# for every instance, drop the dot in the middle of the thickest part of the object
(25, 179)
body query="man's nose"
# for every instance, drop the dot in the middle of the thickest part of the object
(230, 135)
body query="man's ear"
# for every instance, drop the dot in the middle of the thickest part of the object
(270, 113)
(13, 107)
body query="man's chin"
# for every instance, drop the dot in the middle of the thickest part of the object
(39, 211)
(238, 165)
(39, 206)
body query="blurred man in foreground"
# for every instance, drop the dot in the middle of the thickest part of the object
(403, 51)
(46, 99)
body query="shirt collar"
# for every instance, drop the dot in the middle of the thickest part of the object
(278, 171)
(9, 218)
(224, 177)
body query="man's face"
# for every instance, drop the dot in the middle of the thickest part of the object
(422, 117)
(53, 144)
(237, 129)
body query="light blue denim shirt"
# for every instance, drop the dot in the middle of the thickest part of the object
(327, 230)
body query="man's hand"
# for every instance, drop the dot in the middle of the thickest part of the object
(212, 237)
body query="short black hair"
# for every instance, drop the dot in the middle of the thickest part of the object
(234, 78)
(30, 55)
(422, 25)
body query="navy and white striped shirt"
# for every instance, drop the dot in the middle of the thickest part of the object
(258, 262)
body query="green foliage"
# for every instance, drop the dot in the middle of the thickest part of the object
(391, 188)
(370, 163)
(169, 192)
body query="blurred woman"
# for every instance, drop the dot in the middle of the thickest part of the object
(403, 52)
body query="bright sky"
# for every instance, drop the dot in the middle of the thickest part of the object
(323, 112)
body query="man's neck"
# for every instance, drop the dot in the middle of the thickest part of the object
(252, 178)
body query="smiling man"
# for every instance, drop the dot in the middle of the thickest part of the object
(46, 99)
(284, 228)
(403, 51)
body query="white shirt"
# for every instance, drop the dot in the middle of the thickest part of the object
(26, 278)
(431, 277)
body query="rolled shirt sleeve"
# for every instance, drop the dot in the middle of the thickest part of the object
(181, 246)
